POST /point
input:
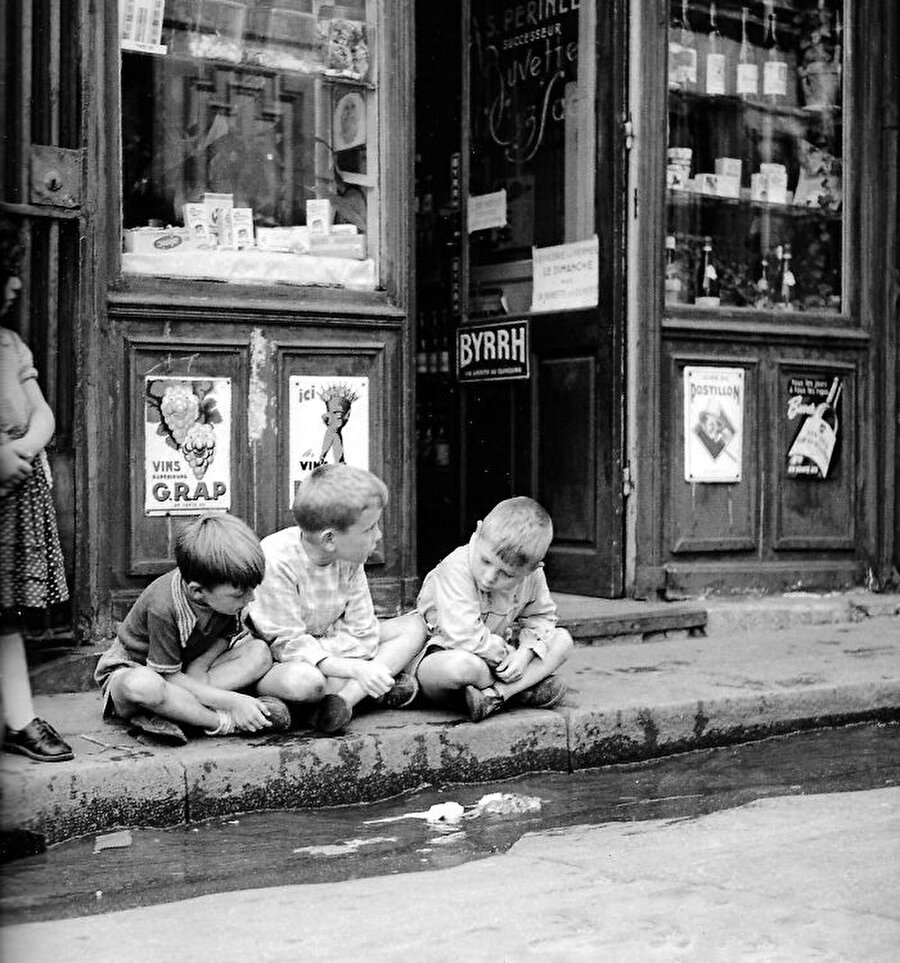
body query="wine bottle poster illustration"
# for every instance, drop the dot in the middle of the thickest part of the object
(713, 424)
(814, 417)
(187, 445)
(328, 424)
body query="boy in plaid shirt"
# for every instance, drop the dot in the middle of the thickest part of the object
(315, 610)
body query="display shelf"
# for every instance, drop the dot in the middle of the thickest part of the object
(696, 100)
(681, 199)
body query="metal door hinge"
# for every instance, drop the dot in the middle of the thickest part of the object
(628, 132)
(56, 176)
(627, 482)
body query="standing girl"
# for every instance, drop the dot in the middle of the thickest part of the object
(31, 562)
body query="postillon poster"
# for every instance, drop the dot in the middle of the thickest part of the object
(187, 445)
(329, 424)
(713, 424)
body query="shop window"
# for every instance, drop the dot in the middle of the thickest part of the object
(249, 140)
(533, 155)
(754, 185)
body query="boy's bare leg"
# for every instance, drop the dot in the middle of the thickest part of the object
(240, 666)
(443, 673)
(558, 650)
(400, 641)
(141, 688)
(295, 681)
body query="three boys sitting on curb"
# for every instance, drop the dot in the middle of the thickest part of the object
(240, 625)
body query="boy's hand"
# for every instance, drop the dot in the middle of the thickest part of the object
(495, 652)
(250, 714)
(374, 678)
(512, 668)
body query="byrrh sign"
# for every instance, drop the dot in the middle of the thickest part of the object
(496, 351)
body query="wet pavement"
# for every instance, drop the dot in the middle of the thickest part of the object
(343, 843)
(627, 703)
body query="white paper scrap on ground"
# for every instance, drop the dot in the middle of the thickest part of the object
(504, 804)
(119, 840)
(345, 848)
(448, 812)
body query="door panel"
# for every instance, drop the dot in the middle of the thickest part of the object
(543, 127)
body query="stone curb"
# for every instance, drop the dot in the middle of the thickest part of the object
(380, 757)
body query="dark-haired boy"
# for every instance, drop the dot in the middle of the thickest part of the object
(182, 652)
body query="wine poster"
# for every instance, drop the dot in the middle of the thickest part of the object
(713, 424)
(814, 424)
(328, 424)
(187, 445)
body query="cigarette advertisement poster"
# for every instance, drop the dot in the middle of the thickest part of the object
(328, 423)
(814, 420)
(187, 445)
(566, 276)
(713, 424)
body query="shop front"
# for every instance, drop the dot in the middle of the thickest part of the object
(652, 280)
(690, 211)
(243, 267)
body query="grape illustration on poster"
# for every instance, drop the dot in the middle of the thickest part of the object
(187, 435)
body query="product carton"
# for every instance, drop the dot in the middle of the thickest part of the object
(338, 245)
(319, 217)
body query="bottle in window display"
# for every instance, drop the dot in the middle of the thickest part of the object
(707, 287)
(774, 69)
(715, 61)
(682, 53)
(785, 281)
(763, 286)
(747, 69)
(673, 273)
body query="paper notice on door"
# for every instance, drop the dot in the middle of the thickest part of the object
(486, 211)
(566, 276)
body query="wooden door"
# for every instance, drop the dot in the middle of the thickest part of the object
(41, 164)
(544, 120)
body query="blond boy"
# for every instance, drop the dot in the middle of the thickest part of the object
(314, 606)
(490, 617)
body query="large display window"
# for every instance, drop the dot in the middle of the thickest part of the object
(755, 183)
(249, 140)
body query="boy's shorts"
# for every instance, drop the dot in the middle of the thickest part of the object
(115, 659)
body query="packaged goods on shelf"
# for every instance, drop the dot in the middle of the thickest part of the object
(766, 189)
(338, 245)
(728, 167)
(237, 228)
(717, 185)
(319, 216)
(196, 220)
(154, 240)
(215, 205)
(288, 240)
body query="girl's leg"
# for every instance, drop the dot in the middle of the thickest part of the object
(141, 688)
(15, 685)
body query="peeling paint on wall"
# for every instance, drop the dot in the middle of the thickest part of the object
(257, 398)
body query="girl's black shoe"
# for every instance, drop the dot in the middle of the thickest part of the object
(38, 740)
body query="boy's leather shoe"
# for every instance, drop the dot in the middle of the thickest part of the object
(543, 695)
(279, 714)
(401, 694)
(482, 702)
(158, 727)
(333, 714)
(38, 740)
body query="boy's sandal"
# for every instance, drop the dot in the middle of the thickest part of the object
(332, 714)
(401, 694)
(542, 695)
(153, 725)
(279, 713)
(482, 702)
